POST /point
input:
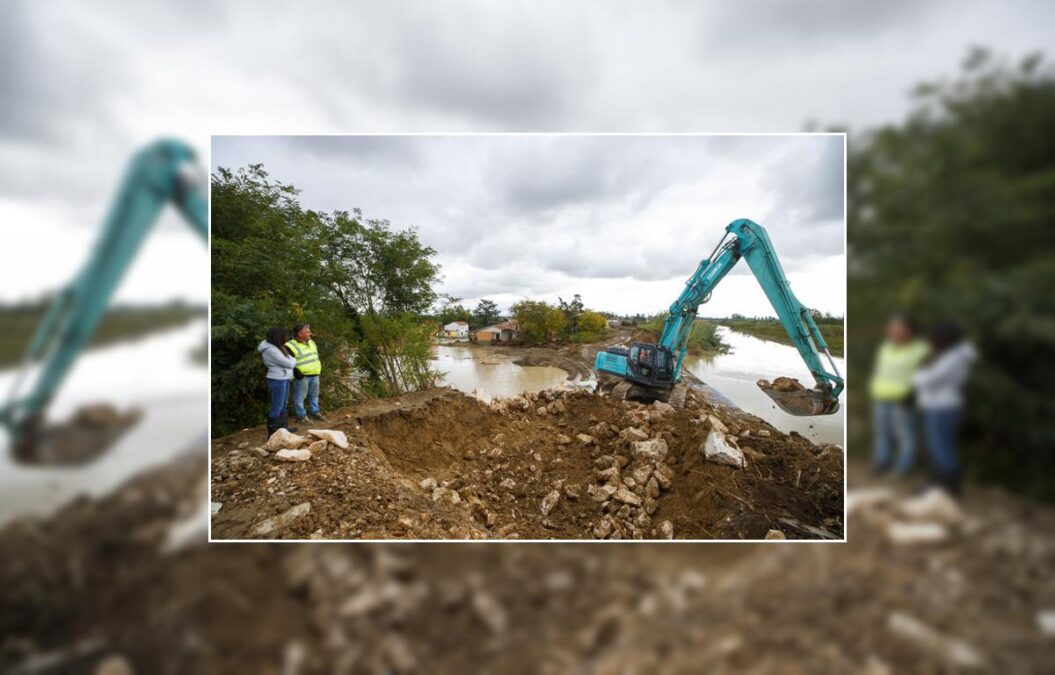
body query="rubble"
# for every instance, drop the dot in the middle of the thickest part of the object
(284, 440)
(283, 520)
(338, 438)
(723, 450)
(301, 455)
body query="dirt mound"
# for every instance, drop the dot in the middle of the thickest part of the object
(553, 465)
(98, 584)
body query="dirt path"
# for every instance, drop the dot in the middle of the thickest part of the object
(556, 465)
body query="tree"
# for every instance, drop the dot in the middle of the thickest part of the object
(539, 322)
(452, 310)
(572, 311)
(485, 314)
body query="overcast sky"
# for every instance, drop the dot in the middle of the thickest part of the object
(85, 84)
(623, 220)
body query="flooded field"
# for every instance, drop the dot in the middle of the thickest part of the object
(735, 374)
(492, 373)
(155, 374)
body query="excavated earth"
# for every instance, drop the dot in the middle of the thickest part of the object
(562, 464)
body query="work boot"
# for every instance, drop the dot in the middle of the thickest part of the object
(283, 423)
(318, 417)
(302, 419)
(272, 426)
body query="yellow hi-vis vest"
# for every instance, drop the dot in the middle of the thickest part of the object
(895, 365)
(307, 356)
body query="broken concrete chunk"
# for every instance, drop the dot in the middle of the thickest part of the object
(282, 439)
(336, 437)
(214, 507)
(549, 502)
(722, 449)
(775, 534)
(653, 449)
(428, 483)
(716, 424)
(301, 455)
(283, 520)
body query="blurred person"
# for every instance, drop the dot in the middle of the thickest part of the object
(939, 387)
(306, 374)
(896, 363)
(280, 363)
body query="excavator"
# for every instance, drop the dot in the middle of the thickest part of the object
(651, 372)
(164, 172)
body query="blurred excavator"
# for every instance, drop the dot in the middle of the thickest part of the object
(652, 372)
(163, 172)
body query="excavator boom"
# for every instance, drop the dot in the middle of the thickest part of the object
(658, 367)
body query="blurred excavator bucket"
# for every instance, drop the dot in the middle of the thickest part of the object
(795, 399)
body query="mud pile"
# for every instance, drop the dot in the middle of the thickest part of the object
(101, 584)
(553, 465)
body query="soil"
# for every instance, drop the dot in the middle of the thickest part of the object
(98, 584)
(93, 429)
(440, 464)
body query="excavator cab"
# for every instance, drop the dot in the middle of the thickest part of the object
(650, 365)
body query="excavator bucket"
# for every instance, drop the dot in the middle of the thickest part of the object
(795, 399)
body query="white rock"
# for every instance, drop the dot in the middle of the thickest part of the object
(283, 520)
(507, 484)
(562, 439)
(722, 449)
(775, 534)
(642, 473)
(1046, 621)
(601, 493)
(282, 439)
(632, 434)
(864, 499)
(934, 505)
(763, 433)
(585, 439)
(317, 446)
(336, 437)
(624, 495)
(653, 449)
(908, 534)
(666, 529)
(446, 494)
(214, 507)
(716, 424)
(115, 664)
(301, 455)
(953, 651)
(663, 408)
(428, 483)
(549, 502)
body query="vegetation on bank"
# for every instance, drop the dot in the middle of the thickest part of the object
(771, 329)
(950, 218)
(541, 322)
(703, 338)
(365, 288)
(120, 323)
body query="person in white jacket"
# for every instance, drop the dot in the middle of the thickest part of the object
(939, 387)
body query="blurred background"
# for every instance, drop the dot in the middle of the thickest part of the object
(951, 184)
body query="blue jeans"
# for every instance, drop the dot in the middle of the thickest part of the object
(894, 423)
(279, 390)
(306, 386)
(939, 426)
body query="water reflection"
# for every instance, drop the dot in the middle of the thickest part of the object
(735, 374)
(492, 373)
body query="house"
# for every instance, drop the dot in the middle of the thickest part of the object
(458, 330)
(507, 331)
(615, 323)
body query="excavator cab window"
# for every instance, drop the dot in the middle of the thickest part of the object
(642, 360)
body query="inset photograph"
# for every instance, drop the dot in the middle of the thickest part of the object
(528, 337)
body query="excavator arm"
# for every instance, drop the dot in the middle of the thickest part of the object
(159, 174)
(744, 239)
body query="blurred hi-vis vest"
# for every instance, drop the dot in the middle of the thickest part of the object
(307, 356)
(894, 369)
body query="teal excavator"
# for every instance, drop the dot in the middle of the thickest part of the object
(164, 172)
(650, 372)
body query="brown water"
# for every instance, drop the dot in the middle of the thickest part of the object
(491, 374)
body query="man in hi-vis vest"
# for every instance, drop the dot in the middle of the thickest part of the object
(307, 355)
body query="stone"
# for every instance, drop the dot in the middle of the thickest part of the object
(653, 449)
(763, 433)
(625, 495)
(562, 439)
(652, 487)
(490, 612)
(934, 505)
(650, 505)
(716, 424)
(603, 492)
(663, 408)
(541, 410)
(585, 439)
(722, 449)
(243, 445)
(261, 452)
(428, 483)
(549, 502)
(283, 520)
(446, 494)
(609, 474)
(507, 484)
(952, 651)
(573, 491)
(214, 507)
(633, 434)
(316, 447)
(642, 473)
(775, 534)
(336, 437)
(603, 528)
(301, 455)
(282, 439)
(911, 534)
(664, 475)
(1046, 622)
(666, 529)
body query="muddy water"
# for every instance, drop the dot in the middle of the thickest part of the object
(156, 374)
(735, 374)
(493, 374)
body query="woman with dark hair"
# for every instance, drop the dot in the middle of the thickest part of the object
(939, 392)
(279, 362)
